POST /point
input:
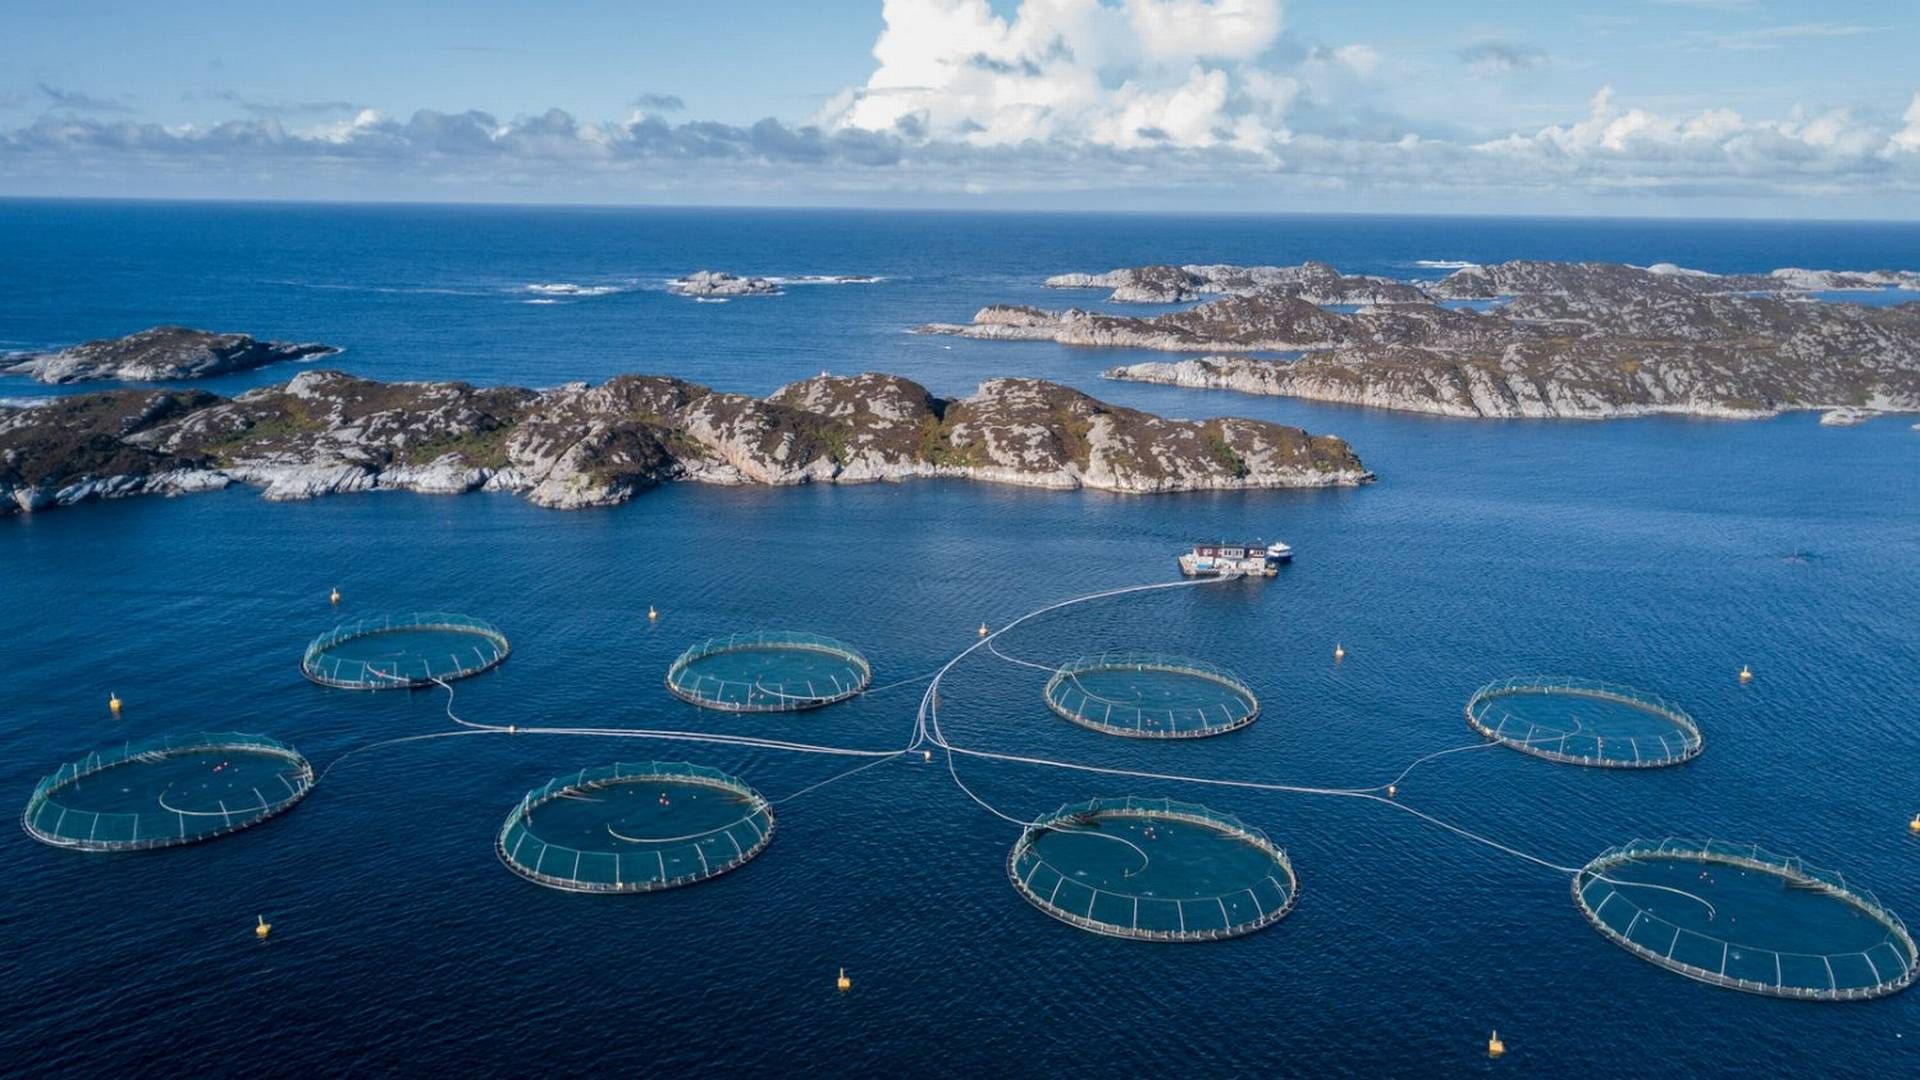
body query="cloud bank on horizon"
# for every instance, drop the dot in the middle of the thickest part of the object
(1174, 102)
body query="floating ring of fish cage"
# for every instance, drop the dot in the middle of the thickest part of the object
(1742, 917)
(161, 792)
(396, 652)
(1152, 869)
(1148, 695)
(768, 671)
(637, 827)
(1584, 722)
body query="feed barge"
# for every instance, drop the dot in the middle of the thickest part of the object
(1216, 560)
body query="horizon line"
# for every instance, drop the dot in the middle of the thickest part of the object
(982, 211)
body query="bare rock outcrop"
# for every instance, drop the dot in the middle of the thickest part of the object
(578, 445)
(161, 354)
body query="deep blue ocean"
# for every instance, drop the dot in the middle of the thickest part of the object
(1663, 553)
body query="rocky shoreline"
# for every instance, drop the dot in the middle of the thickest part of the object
(325, 432)
(1574, 340)
(161, 354)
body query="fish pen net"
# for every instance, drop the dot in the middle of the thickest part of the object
(1149, 695)
(170, 790)
(768, 671)
(394, 652)
(634, 828)
(1152, 869)
(1739, 916)
(1584, 722)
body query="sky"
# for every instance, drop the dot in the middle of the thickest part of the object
(1706, 108)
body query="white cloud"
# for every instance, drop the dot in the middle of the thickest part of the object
(1712, 147)
(1174, 73)
(1907, 139)
(1774, 37)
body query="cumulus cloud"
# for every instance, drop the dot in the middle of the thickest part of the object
(1907, 139)
(1713, 149)
(1159, 97)
(1491, 58)
(1170, 73)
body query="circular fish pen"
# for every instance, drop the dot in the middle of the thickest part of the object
(396, 652)
(768, 671)
(1148, 695)
(1152, 869)
(1584, 722)
(1738, 916)
(626, 828)
(175, 789)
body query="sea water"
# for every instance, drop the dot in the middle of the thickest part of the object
(1661, 553)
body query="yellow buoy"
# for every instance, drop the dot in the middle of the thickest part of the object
(262, 928)
(1494, 1046)
(113, 703)
(334, 597)
(983, 630)
(1914, 825)
(653, 613)
(845, 984)
(1746, 673)
(1339, 651)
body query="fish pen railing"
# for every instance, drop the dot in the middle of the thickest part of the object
(50, 822)
(1146, 917)
(1576, 747)
(487, 648)
(1885, 967)
(768, 691)
(1069, 697)
(650, 866)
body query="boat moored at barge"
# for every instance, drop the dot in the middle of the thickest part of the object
(1216, 560)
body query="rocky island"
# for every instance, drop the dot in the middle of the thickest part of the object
(579, 445)
(160, 354)
(719, 283)
(1581, 340)
(1314, 282)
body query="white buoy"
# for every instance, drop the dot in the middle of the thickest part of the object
(653, 613)
(1339, 651)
